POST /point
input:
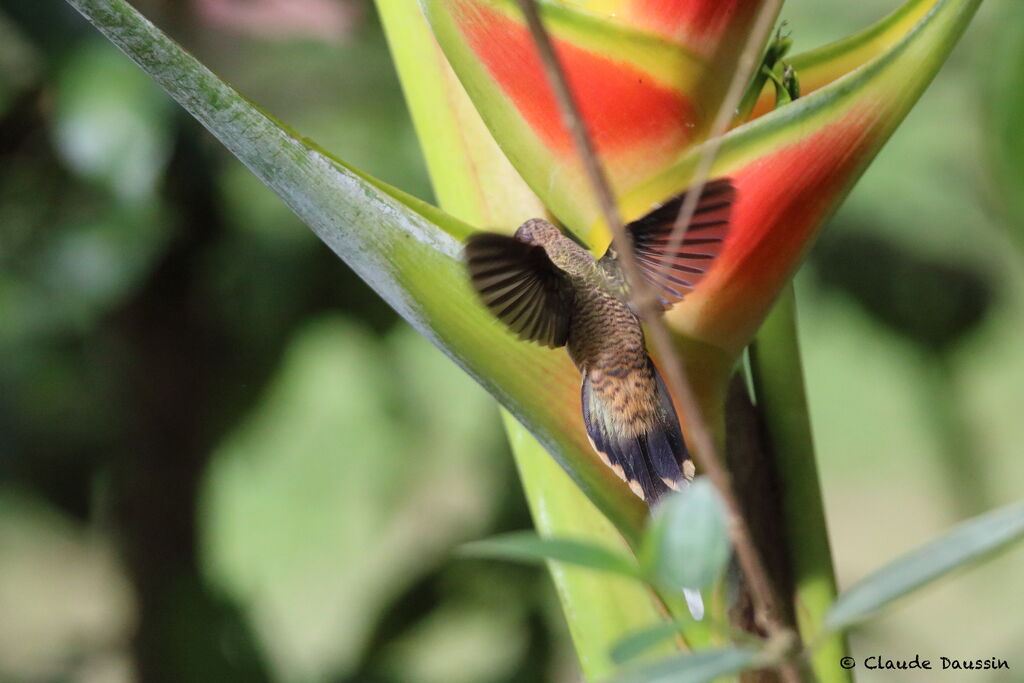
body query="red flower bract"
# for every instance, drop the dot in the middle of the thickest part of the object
(622, 106)
(698, 23)
(782, 200)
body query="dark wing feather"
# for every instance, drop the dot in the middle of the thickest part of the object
(675, 272)
(521, 286)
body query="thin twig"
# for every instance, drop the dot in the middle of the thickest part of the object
(767, 605)
(583, 142)
(746, 63)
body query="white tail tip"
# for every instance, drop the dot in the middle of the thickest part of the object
(694, 602)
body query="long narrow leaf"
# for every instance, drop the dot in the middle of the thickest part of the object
(531, 548)
(474, 181)
(407, 250)
(695, 668)
(641, 642)
(964, 545)
(778, 378)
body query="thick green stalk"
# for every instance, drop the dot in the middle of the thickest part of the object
(474, 181)
(778, 379)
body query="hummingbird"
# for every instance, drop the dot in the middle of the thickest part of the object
(549, 289)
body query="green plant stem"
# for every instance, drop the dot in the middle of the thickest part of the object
(475, 182)
(601, 609)
(768, 608)
(778, 380)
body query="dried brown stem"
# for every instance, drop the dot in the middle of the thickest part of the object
(768, 611)
(747, 62)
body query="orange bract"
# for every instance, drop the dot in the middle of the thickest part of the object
(623, 106)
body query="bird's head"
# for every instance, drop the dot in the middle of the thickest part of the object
(538, 232)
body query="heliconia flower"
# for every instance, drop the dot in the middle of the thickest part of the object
(700, 26)
(790, 166)
(648, 75)
(793, 166)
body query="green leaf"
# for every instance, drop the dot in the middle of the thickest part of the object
(778, 379)
(474, 181)
(687, 543)
(528, 547)
(695, 668)
(639, 642)
(965, 544)
(406, 249)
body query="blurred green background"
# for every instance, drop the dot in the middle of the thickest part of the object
(223, 458)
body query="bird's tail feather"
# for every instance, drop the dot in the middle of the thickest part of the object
(653, 462)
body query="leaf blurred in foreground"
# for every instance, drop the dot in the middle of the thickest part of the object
(687, 543)
(693, 668)
(640, 642)
(964, 545)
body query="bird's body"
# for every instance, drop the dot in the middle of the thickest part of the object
(549, 289)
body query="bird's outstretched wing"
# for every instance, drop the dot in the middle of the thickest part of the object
(674, 272)
(521, 286)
